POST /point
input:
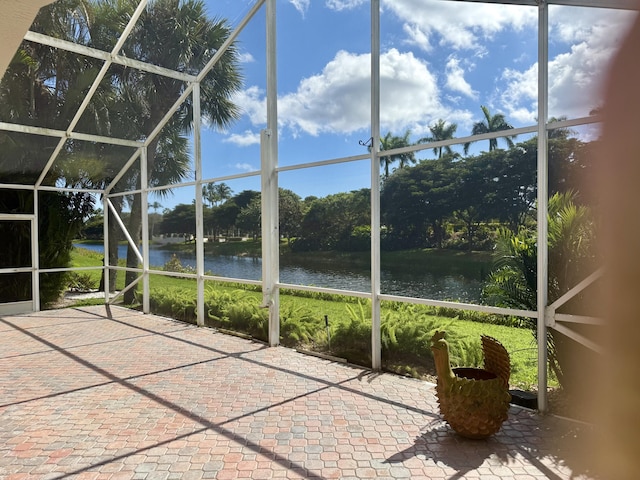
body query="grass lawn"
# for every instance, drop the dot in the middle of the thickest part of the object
(519, 342)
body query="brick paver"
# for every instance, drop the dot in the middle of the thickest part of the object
(101, 393)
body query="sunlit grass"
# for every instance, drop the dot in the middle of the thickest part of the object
(519, 342)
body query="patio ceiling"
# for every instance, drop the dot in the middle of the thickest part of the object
(15, 20)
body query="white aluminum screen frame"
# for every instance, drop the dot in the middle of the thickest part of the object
(32, 305)
(545, 314)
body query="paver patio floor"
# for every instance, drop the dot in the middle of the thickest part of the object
(110, 393)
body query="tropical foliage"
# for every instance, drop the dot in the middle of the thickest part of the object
(333, 222)
(491, 124)
(513, 282)
(440, 131)
(571, 256)
(60, 218)
(405, 329)
(45, 87)
(177, 35)
(391, 142)
(449, 202)
(216, 193)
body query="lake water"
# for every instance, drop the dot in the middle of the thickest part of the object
(437, 284)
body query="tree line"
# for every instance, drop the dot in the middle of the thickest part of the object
(45, 87)
(447, 202)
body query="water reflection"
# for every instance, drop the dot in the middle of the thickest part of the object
(342, 273)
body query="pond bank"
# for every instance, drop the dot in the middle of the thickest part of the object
(433, 274)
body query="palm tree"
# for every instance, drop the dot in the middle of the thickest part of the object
(44, 86)
(208, 194)
(491, 123)
(390, 142)
(154, 218)
(513, 282)
(215, 193)
(175, 34)
(440, 131)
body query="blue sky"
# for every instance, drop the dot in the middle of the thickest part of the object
(439, 60)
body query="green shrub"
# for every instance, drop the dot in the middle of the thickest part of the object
(406, 341)
(81, 282)
(249, 317)
(174, 265)
(351, 338)
(175, 303)
(298, 326)
(469, 315)
(465, 352)
(216, 303)
(237, 311)
(406, 329)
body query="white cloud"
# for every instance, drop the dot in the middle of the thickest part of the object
(245, 167)
(459, 25)
(574, 25)
(520, 97)
(246, 57)
(253, 104)
(455, 78)
(339, 5)
(244, 139)
(575, 75)
(583, 39)
(301, 5)
(417, 36)
(338, 99)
